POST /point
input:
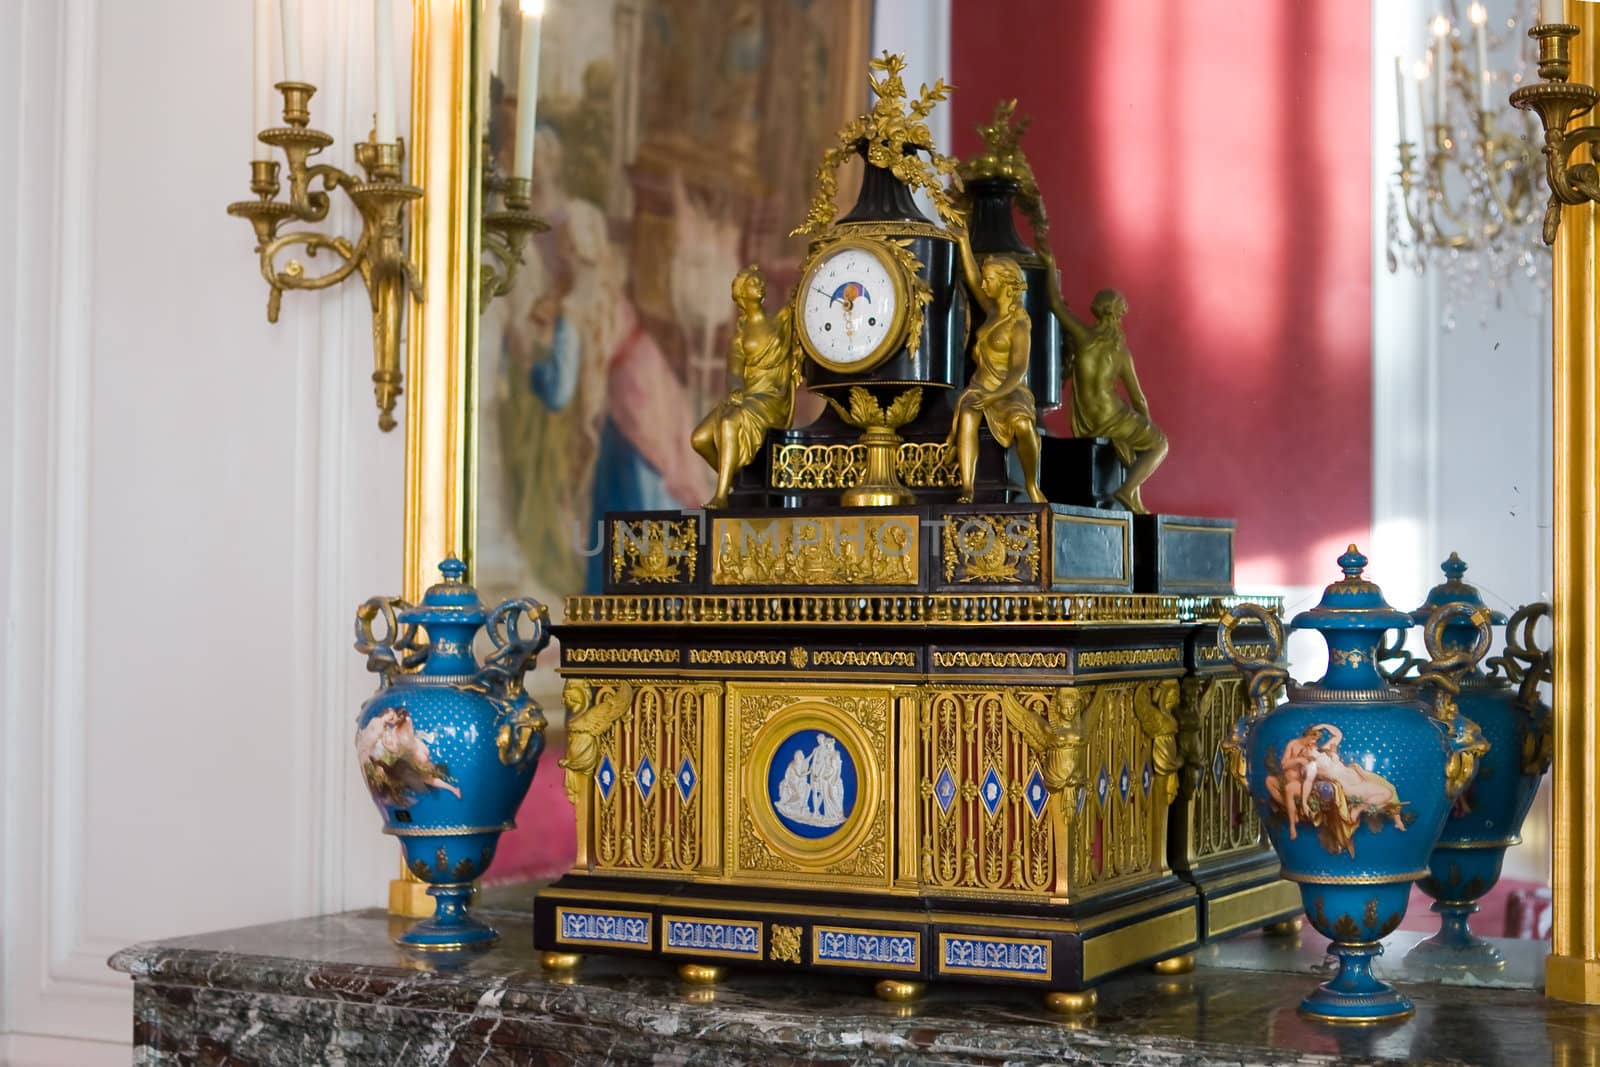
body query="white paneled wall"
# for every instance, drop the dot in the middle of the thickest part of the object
(193, 502)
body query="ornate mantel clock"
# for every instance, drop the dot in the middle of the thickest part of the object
(882, 707)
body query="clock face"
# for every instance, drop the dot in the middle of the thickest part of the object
(852, 307)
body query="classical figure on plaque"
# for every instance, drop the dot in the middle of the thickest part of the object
(794, 792)
(1099, 362)
(812, 790)
(764, 371)
(996, 393)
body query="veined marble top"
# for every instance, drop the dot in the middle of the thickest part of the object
(336, 990)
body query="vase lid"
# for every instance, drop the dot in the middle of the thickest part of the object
(1352, 603)
(1454, 591)
(450, 601)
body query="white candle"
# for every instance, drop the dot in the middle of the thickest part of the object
(261, 111)
(1441, 102)
(1479, 16)
(1421, 71)
(384, 126)
(491, 36)
(290, 12)
(528, 91)
(1400, 98)
(1552, 11)
(490, 57)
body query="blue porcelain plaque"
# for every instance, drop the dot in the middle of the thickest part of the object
(811, 783)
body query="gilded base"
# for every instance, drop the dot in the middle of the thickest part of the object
(700, 973)
(410, 898)
(560, 961)
(1284, 928)
(1573, 979)
(896, 990)
(1182, 963)
(1082, 1002)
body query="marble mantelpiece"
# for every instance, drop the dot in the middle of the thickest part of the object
(334, 990)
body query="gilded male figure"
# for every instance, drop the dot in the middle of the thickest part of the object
(1099, 362)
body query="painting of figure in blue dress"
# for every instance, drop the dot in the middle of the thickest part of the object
(812, 783)
(677, 143)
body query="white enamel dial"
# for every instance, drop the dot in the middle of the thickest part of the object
(850, 307)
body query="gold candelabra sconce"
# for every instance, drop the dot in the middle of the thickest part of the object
(506, 230)
(1557, 102)
(1465, 198)
(378, 255)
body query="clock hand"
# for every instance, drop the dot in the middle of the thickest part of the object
(821, 292)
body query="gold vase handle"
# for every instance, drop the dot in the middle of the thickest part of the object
(1262, 674)
(395, 648)
(1446, 666)
(1527, 666)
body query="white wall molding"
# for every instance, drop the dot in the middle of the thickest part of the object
(194, 502)
(29, 1050)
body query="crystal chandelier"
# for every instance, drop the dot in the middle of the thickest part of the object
(1468, 198)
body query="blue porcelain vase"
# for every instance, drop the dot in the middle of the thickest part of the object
(447, 745)
(1486, 818)
(1353, 778)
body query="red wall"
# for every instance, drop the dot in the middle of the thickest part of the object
(1211, 159)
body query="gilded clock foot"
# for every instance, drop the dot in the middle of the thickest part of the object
(898, 991)
(1182, 963)
(1284, 927)
(561, 962)
(700, 973)
(1082, 1002)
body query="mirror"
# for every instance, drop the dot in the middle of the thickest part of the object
(676, 143)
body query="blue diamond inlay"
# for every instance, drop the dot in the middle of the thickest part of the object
(1148, 777)
(1035, 794)
(686, 779)
(944, 790)
(1124, 782)
(991, 791)
(605, 776)
(1101, 785)
(645, 776)
(1216, 766)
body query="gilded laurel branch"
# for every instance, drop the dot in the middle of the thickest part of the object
(891, 135)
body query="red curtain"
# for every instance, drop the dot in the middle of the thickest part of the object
(1211, 159)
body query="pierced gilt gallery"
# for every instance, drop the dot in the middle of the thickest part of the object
(785, 532)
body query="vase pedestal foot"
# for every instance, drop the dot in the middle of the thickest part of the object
(1455, 949)
(1182, 963)
(1354, 995)
(451, 928)
(700, 973)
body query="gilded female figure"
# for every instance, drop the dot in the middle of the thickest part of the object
(995, 394)
(1099, 362)
(764, 369)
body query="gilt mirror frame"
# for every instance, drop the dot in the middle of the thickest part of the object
(440, 447)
